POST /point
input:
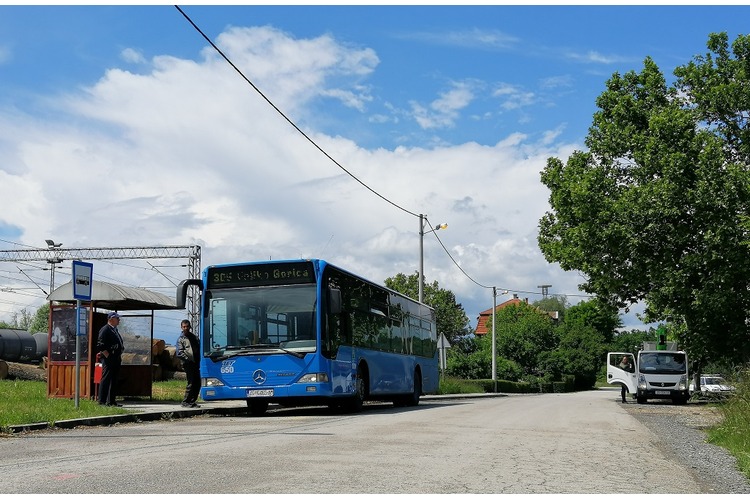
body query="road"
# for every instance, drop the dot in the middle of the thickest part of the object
(550, 443)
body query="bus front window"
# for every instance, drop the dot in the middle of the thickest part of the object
(281, 317)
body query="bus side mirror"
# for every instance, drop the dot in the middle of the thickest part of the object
(334, 301)
(181, 295)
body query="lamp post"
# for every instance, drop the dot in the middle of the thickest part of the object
(422, 232)
(52, 261)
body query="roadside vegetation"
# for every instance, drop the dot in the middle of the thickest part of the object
(733, 433)
(26, 402)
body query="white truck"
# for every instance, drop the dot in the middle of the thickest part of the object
(659, 372)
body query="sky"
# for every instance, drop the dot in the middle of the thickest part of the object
(122, 126)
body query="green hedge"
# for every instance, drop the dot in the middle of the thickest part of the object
(567, 384)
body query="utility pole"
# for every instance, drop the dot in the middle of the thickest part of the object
(544, 290)
(51, 245)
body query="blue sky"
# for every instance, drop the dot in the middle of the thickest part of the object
(120, 126)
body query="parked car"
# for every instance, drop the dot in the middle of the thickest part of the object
(713, 385)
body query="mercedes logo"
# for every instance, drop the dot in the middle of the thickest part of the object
(259, 377)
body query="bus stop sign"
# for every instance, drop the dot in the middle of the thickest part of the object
(82, 282)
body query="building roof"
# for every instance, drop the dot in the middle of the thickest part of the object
(484, 316)
(481, 328)
(116, 297)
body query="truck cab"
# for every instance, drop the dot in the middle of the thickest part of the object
(656, 374)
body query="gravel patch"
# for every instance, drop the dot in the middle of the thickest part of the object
(681, 430)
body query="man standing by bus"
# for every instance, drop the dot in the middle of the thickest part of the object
(109, 345)
(188, 350)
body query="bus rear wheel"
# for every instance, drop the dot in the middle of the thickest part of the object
(413, 398)
(257, 408)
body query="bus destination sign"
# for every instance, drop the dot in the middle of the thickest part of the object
(284, 273)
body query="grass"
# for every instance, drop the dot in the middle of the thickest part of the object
(26, 402)
(449, 385)
(734, 431)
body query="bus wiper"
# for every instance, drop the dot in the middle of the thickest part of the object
(221, 356)
(299, 355)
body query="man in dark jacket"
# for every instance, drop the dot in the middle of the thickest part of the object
(110, 347)
(188, 350)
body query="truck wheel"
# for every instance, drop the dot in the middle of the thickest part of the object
(641, 400)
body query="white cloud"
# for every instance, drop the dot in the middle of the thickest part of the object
(472, 38)
(132, 56)
(189, 153)
(594, 57)
(513, 97)
(444, 111)
(5, 54)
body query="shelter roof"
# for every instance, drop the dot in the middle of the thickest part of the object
(116, 297)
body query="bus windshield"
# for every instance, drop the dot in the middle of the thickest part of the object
(662, 363)
(273, 318)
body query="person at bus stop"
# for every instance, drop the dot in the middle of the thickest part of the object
(626, 365)
(188, 351)
(110, 347)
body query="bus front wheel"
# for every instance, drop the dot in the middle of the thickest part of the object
(257, 407)
(360, 390)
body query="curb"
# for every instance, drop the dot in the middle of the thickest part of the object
(183, 413)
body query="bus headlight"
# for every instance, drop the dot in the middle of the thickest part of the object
(211, 382)
(313, 378)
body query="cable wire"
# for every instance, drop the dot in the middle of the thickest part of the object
(217, 49)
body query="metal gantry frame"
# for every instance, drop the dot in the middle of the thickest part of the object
(57, 254)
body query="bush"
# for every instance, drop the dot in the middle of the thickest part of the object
(734, 431)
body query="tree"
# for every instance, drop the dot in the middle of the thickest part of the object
(450, 315)
(652, 211)
(632, 340)
(553, 303)
(522, 335)
(22, 319)
(40, 321)
(594, 313)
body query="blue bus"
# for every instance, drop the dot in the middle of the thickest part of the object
(305, 332)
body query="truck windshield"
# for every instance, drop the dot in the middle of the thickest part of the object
(274, 318)
(662, 363)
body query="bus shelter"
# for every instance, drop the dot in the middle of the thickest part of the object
(136, 307)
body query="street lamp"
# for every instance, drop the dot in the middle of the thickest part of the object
(422, 232)
(51, 245)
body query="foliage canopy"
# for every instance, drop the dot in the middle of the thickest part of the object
(652, 211)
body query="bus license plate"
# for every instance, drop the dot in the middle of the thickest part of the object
(662, 393)
(259, 393)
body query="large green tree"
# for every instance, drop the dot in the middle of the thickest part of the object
(651, 212)
(450, 315)
(524, 334)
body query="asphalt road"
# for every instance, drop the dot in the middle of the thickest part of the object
(551, 443)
